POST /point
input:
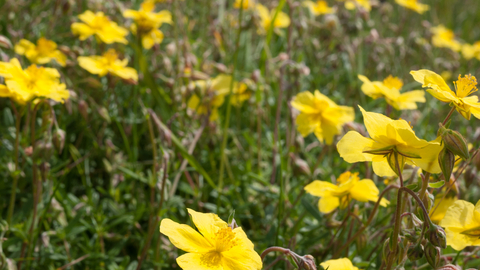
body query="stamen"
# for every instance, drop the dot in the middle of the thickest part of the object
(465, 86)
(393, 82)
(225, 239)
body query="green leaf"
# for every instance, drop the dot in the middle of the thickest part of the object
(414, 187)
(436, 184)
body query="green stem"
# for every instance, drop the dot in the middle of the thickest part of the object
(448, 115)
(425, 179)
(13, 194)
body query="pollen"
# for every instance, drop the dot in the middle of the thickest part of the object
(393, 82)
(211, 259)
(466, 85)
(225, 239)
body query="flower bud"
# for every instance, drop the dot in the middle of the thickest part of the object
(446, 159)
(58, 138)
(309, 262)
(415, 252)
(103, 112)
(432, 254)
(455, 142)
(83, 109)
(436, 235)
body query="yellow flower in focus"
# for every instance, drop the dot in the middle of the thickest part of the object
(281, 21)
(24, 85)
(349, 187)
(320, 115)
(247, 4)
(353, 4)
(42, 53)
(390, 90)
(318, 8)
(390, 140)
(215, 246)
(466, 105)
(470, 51)
(462, 224)
(99, 25)
(147, 23)
(445, 38)
(441, 206)
(108, 63)
(213, 92)
(339, 264)
(414, 5)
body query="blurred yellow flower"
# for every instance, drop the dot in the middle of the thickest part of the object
(414, 5)
(213, 93)
(349, 186)
(462, 224)
(470, 51)
(318, 8)
(390, 140)
(24, 85)
(390, 90)
(339, 264)
(353, 4)
(444, 38)
(147, 23)
(466, 105)
(99, 25)
(320, 115)
(215, 246)
(247, 4)
(42, 53)
(108, 63)
(281, 21)
(441, 206)
(240, 94)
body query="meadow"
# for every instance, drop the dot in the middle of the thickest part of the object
(239, 134)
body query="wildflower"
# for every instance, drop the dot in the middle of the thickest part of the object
(213, 93)
(353, 4)
(42, 53)
(444, 38)
(466, 105)
(470, 51)
(318, 8)
(391, 141)
(349, 187)
(440, 207)
(414, 5)
(281, 20)
(338, 264)
(462, 224)
(99, 25)
(147, 23)
(240, 94)
(320, 115)
(390, 90)
(108, 63)
(215, 246)
(247, 4)
(25, 85)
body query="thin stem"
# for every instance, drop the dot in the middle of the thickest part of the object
(13, 194)
(448, 115)
(425, 179)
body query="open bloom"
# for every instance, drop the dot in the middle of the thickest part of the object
(466, 105)
(240, 94)
(318, 8)
(281, 20)
(349, 186)
(42, 53)
(24, 85)
(339, 264)
(390, 141)
(99, 25)
(445, 38)
(470, 51)
(390, 90)
(462, 224)
(414, 5)
(320, 115)
(147, 23)
(246, 4)
(215, 246)
(353, 4)
(108, 63)
(440, 207)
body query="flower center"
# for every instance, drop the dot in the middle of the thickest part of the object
(211, 259)
(110, 56)
(99, 22)
(393, 82)
(45, 47)
(34, 73)
(225, 239)
(466, 85)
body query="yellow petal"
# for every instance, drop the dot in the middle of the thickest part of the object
(207, 224)
(126, 73)
(196, 261)
(339, 264)
(364, 190)
(82, 30)
(369, 88)
(282, 20)
(429, 154)
(304, 102)
(92, 64)
(184, 237)
(328, 203)
(381, 167)
(320, 188)
(24, 46)
(459, 218)
(352, 145)
(242, 255)
(60, 58)
(439, 88)
(441, 206)
(376, 124)
(407, 101)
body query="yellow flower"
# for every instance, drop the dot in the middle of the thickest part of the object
(42, 53)
(240, 94)
(213, 93)
(349, 187)
(100, 25)
(389, 139)
(318, 8)
(281, 21)
(320, 115)
(247, 4)
(466, 105)
(445, 38)
(353, 4)
(24, 85)
(414, 5)
(441, 206)
(470, 51)
(462, 224)
(390, 90)
(215, 246)
(108, 63)
(147, 23)
(339, 264)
